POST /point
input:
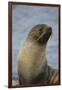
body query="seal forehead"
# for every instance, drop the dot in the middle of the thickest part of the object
(39, 26)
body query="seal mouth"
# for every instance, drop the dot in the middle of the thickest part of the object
(43, 37)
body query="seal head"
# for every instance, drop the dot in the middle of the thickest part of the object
(40, 33)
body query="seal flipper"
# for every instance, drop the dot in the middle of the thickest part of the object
(53, 76)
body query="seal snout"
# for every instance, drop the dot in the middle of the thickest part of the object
(49, 30)
(45, 34)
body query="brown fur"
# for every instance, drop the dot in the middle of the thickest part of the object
(32, 63)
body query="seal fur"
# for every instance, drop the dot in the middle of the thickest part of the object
(32, 63)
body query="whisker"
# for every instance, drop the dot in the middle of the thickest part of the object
(41, 35)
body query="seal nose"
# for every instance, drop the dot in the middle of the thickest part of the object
(49, 30)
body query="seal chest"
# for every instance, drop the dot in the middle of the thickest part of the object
(32, 57)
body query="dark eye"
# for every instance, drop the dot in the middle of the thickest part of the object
(40, 30)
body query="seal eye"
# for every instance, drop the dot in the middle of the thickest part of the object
(40, 31)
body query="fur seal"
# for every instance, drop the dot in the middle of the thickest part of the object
(32, 63)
